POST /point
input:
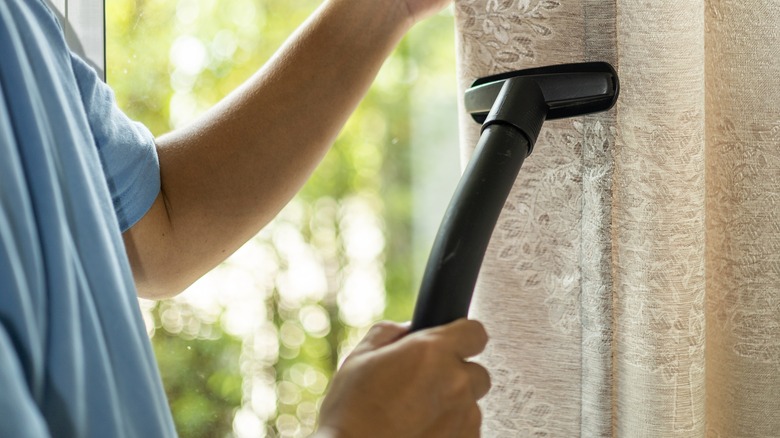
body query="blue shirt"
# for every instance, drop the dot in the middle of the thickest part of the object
(75, 359)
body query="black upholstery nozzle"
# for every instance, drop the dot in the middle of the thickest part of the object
(512, 108)
(569, 89)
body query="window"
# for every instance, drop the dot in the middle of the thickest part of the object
(83, 24)
(249, 349)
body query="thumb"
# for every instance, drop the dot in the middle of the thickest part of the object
(381, 334)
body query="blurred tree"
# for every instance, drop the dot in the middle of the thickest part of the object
(204, 396)
(249, 349)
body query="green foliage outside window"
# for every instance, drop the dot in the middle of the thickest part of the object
(249, 349)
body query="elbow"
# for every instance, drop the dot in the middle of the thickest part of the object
(157, 274)
(156, 289)
(156, 283)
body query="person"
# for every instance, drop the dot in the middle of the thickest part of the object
(94, 212)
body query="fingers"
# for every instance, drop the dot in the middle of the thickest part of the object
(479, 378)
(465, 337)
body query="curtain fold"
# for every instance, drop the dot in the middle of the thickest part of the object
(743, 231)
(632, 286)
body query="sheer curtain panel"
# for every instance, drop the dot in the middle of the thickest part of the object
(632, 286)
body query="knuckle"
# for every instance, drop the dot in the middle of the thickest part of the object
(426, 352)
(488, 382)
(459, 388)
(428, 345)
(480, 333)
(381, 326)
(485, 374)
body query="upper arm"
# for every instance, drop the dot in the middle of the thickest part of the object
(131, 167)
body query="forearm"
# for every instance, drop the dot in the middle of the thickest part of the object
(229, 173)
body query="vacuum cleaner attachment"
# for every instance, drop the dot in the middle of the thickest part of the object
(512, 108)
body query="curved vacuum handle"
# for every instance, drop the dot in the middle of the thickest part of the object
(519, 102)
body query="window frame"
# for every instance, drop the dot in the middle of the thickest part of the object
(84, 25)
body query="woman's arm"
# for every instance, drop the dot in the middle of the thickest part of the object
(229, 173)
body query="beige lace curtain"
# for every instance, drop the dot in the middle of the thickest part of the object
(632, 286)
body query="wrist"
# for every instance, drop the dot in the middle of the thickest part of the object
(387, 18)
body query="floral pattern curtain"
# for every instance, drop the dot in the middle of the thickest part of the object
(632, 286)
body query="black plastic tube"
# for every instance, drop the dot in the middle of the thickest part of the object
(457, 253)
(519, 104)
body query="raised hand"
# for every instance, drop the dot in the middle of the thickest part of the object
(422, 9)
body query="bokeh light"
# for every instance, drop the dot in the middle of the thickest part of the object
(249, 349)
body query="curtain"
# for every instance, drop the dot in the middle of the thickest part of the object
(632, 285)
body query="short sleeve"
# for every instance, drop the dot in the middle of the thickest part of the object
(126, 148)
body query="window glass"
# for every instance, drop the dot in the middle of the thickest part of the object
(249, 349)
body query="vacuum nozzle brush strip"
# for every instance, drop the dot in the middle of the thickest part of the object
(512, 108)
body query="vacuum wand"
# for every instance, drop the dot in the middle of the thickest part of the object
(512, 108)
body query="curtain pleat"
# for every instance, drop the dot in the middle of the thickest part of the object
(743, 225)
(597, 134)
(658, 224)
(632, 286)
